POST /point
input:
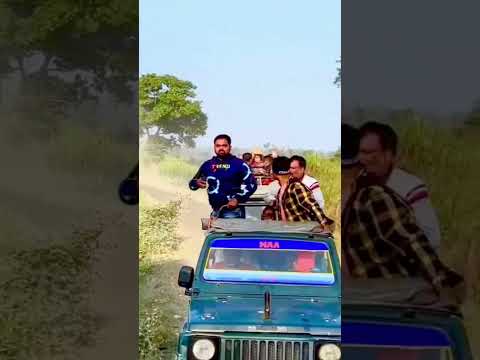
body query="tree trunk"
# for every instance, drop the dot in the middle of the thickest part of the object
(21, 67)
(46, 63)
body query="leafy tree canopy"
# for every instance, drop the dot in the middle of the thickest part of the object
(96, 40)
(170, 114)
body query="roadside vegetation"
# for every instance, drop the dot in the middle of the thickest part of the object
(447, 160)
(161, 301)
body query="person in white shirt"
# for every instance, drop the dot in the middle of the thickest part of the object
(378, 155)
(271, 191)
(298, 166)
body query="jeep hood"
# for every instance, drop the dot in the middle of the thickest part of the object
(289, 314)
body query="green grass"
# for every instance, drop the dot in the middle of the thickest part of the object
(157, 232)
(159, 296)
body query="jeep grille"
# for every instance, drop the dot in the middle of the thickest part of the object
(266, 350)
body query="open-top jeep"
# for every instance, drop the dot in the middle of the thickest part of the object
(262, 290)
(400, 319)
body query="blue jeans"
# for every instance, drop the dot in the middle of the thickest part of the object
(237, 213)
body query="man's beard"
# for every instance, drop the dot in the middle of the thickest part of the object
(222, 154)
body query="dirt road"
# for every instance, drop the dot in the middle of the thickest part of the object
(194, 207)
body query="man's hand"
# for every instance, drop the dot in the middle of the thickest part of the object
(327, 221)
(201, 183)
(319, 229)
(232, 204)
(453, 295)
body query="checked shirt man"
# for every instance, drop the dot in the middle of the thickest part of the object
(295, 202)
(380, 234)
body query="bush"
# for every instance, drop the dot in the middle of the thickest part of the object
(157, 227)
(154, 336)
(158, 239)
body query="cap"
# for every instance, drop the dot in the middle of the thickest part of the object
(281, 165)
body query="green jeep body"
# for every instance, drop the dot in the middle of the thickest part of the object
(262, 320)
(400, 319)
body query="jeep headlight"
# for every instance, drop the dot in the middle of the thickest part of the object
(329, 352)
(203, 349)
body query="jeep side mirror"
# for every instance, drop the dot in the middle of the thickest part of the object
(185, 277)
(128, 191)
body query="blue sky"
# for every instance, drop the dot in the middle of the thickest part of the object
(264, 70)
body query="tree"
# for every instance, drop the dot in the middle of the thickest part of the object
(82, 48)
(473, 118)
(338, 79)
(169, 112)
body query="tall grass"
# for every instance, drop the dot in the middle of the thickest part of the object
(448, 162)
(327, 171)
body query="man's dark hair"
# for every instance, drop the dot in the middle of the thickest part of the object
(281, 165)
(387, 136)
(247, 156)
(223, 136)
(301, 160)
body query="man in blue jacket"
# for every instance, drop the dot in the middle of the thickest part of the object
(228, 180)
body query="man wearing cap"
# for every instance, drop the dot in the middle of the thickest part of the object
(380, 235)
(295, 202)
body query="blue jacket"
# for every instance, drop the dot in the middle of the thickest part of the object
(225, 177)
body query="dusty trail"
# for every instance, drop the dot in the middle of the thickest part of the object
(194, 207)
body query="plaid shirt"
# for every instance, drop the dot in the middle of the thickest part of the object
(382, 240)
(299, 204)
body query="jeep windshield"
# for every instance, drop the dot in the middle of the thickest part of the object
(267, 260)
(394, 341)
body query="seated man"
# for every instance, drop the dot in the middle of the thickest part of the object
(295, 202)
(257, 165)
(267, 164)
(378, 154)
(305, 261)
(380, 235)
(269, 213)
(232, 260)
(247, 157)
